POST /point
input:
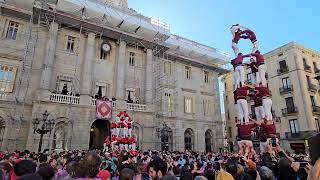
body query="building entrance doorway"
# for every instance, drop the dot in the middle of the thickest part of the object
(99, 130)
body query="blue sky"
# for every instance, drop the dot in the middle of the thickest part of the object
(275, 22)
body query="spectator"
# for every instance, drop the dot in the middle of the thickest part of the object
(6, 169)
(265, 173)
(158, 168)
(126, 174)
(91, 164)
(24, 167)
(46, 171)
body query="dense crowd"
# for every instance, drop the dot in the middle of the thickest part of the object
(96, 165)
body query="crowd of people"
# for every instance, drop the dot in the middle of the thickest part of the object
(153, 165)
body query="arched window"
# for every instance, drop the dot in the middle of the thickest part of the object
(189, 139)
(208, 140)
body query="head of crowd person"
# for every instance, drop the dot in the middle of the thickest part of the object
(157, 168)
(91, 164)
(126, 174)
(24, 167)
(46, 171)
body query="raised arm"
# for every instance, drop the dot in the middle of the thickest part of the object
(247, 55)
(249, 86)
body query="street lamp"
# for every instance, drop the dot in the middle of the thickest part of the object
(164, 135)
(47, 126)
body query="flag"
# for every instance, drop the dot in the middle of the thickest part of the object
(103, 109)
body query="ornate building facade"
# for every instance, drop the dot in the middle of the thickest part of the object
(60, 56)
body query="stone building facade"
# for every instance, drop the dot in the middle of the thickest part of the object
(60, 61)
(292, 69)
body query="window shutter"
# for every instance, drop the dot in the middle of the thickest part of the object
(204, 107)
(137, 94)
(193, 104)
(14, 74)
(171, 103)
(185, 104)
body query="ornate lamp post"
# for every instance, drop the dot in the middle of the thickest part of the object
(164, 135)
(47, 126)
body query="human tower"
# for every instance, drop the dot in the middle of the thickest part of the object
(258, 90)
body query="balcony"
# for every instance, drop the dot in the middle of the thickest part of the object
(283, 70)
(286, 89)
(136, 107)
(307, 68)
(312, 88)
(302, 135)
(317, 71)
(316, 109)
(64, 99)
(289, 111)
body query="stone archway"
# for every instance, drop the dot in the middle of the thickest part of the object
(189, 139)
(208, 140)
(60, 136)
(99, 130)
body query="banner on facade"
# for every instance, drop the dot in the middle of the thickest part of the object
(103, 109)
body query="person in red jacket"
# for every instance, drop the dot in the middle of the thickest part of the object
(262, 68)
(239, 70)
(270, 131)
(244, 136)
(254, 70)
(241, 95)
(249, 34)
(106, 144)
(264, 93)
(236, 36)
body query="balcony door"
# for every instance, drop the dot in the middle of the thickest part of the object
(290, 104)
(286, 83)
(313, 101)
(283, 65)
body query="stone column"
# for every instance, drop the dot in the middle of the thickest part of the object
(87, 70)
(120, 91)
(48, 63)
(148, 78)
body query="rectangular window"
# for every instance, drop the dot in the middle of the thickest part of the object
(290, 104)
(317, 123)
(169, 102)
(230, 132)
(132, 56)
(188, 105)
(130, 94)
(12, 30)
(313, 101)
(101, 90)
(7, 78)
(207, 107)
(283, 65)
(64, 85)
(294, 126)
(206, 76)
(103, 54)
(286, 82)
(167, 68)
(71, 44)
(304, 61)
(188, 72)
(315, 68)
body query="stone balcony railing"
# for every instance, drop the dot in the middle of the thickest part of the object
(122, 105)
(64, 99)
(136, 107)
